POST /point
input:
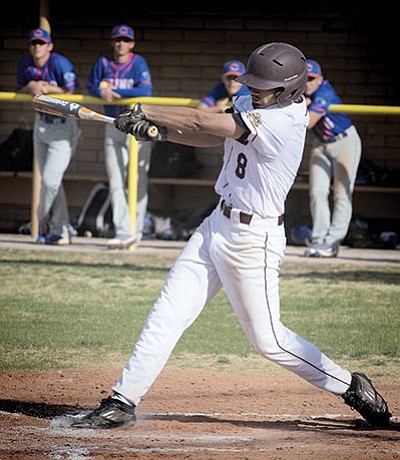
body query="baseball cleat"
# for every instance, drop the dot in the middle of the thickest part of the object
(310, 251)
(41, 239)
(322, 250)
(112, 413)
(58, 239)
(326, 250)
(363, 397)
(121, 242)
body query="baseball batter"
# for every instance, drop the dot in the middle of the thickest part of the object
(241, 245)
(55, 138)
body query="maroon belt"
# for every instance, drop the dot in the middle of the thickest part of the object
(244, 217)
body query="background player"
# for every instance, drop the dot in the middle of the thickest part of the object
(241, 245)
(54, 138)
(123, 74)
(335, 156)
(220, 97)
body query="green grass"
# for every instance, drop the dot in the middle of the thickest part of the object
(69, 310)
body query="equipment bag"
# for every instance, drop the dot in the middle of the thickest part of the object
(95, 217)
(173, 160)
(16, 152)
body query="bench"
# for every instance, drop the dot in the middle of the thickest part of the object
(171, 194)
(300, 184)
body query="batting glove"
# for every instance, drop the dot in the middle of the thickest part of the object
(146, 131)
(125, 121)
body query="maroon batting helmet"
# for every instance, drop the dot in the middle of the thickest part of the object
(277, 65)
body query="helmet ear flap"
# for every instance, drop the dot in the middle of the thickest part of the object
(285, 99)
(279, 96)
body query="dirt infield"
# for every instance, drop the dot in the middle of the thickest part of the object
(195, 415)
(202, 414)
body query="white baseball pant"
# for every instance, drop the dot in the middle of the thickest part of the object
(245, 261)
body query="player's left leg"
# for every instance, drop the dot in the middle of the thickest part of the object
(255, 297)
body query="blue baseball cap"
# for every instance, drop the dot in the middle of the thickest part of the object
(39, 34)
(123, 31)
(313, 68)
(233, 67)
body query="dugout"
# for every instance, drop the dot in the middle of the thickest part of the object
(185, 50)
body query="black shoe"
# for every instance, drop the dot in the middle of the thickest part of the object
(363, 397)
(112, 413)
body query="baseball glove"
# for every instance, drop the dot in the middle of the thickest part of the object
(363, 397)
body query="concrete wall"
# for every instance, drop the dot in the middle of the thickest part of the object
(185, 52)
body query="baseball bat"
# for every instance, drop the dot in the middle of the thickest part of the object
(68, 109)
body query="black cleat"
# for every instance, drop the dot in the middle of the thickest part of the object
(112, 413)
(363, 397)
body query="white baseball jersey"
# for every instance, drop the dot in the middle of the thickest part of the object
(258, 178)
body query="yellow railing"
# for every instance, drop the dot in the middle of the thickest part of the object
(133, 163)
(84, 99)
(365, 109)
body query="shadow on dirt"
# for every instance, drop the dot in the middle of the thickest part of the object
(314, 424)
(49, 411)
(32, 409)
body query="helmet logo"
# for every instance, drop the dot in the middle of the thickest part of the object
(291, 78)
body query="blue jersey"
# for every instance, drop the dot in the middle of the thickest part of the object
(331, 124)
(130, 79)
(57, 71)
(219, 92)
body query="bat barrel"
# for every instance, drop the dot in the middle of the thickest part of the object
(55, 106)
(67, 109)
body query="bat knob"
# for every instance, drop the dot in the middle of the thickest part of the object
(152, 131)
